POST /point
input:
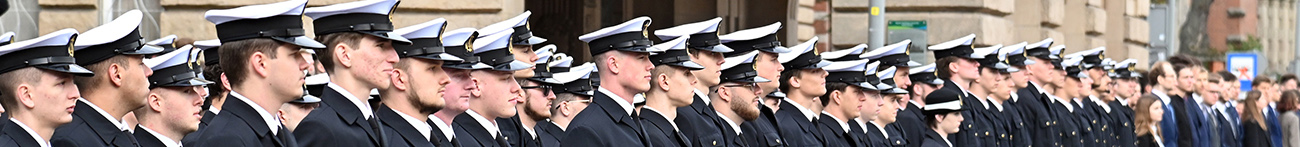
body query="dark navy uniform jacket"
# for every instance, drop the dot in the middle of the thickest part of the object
(1036, 111)
(90, 129)
(16, 136)
(700, 123)
(762, 132)
(836, 135)
(471, 133)
(659, 131)
(912, 124)
(603, 123)
(338, 122)
(796, 128)
(550, 134)
(401, 133)
(240, 125)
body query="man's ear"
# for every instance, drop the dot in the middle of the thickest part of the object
(258, 62)
(25, 96)
(477, 90)
(835, 97)
(612, 63)
(154, 101)
(343, 54)
(225, 83)
(115, 74)
(794, 82)
(399, 79)
(563, 108)
(663, 82)
(724, 93)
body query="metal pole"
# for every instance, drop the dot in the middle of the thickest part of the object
(877, 24)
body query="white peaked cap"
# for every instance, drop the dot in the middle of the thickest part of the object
(926, 68)
(737, 60)
(165, 40)
(844, 52)
(429, 29)
(458, 37)
(177, 57)
(111, 31)
(967, 40)
(492, 42)
(710, 25)
(291, 7)
(749, 34)
(635, 25)
(892, 49)
(56, 38)
(366, 6)
(799, 49)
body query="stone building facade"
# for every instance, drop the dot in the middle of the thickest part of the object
(1276, 31)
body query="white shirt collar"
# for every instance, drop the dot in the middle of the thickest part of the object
(422, 126)
(1122, 101)
(1197, 98)
(167, 141)
(806, 113)
(214, 109)
(562, 128)
(116, 122)
(1039, 87)
(734, 127)
(1100, 103)
(985, 101)
(842, 124)
(670, 121)
(994, 102)
(1015, 97)
(442, 126)
(39, 140)
(879, 127)
(627, 106)
(352, 98)
(271, 122)
(1157, 137)
(1062, 102)
(703, 96)
(861, 124)
(491, 127)
(1161, 94)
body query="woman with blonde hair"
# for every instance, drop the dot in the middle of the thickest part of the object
(1252, 121)
(1148, 111)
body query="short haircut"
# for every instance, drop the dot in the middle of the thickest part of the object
(786, 75)
(1214, 78)
(1287, 77)
(1157, 71)
(87, 83)
(234, 56)
(1227, 76)
(1180, 67)
(833, 86)
(9, 83)
(942, 65)
(1260, 81)
(331, 40)
(1184, 60)
(662, 69)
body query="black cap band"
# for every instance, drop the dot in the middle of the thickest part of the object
(621, 41)
(352, 22)
(274, 26)
(703, 40)
(765, 43)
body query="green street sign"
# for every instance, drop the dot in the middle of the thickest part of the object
(907, 24)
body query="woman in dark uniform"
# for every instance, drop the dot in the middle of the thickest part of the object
(1148, 111)
(943, 115)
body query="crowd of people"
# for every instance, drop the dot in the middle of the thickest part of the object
(363, 82)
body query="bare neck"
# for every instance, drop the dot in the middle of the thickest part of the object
(400, 102)
(614, 86)
(108, 100)
(160, 128)
(661, 103)
(352, 85)
(447, 115)
(979, 92)
(804, 101)
(261, 95)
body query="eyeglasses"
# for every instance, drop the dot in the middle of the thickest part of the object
(750, 85)
(545, 89)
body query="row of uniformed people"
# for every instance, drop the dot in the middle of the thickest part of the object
(488, 87)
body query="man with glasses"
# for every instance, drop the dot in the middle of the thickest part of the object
(116, 51)
(536, 103)
(737, 98)
(571, 97)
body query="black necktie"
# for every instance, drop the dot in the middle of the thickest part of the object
(375, 127)
(640, 132)
(501, 140)
(454, 142)
(129, 138)
(283, 135)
